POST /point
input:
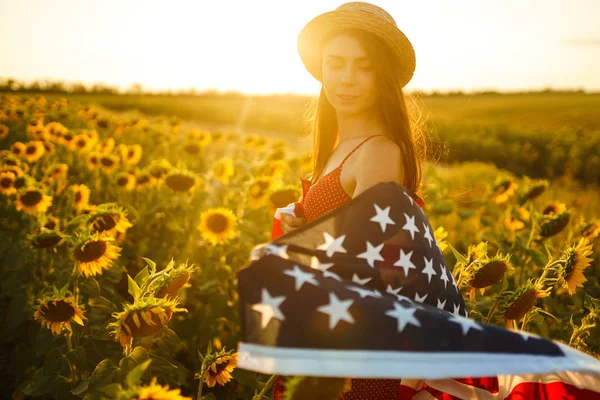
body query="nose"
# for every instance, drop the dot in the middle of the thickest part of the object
(349, 76)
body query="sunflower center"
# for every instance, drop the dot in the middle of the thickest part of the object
(46, 241)
(81, 143)
(180, 182)
(31, 149)
(523, 304)
(220, 367)
(78, 197)
(489, 274)
(571, 260)
(90, 251)
(94, 160)
(122, 181)
(60, 311)
(6, 182)
(31, 198)
(107, 162)
(143, 179)
(104, 223)
(19, 183)
(217, 223)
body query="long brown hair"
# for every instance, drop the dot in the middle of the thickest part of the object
(403, 121)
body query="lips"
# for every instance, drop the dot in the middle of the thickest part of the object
(346, 97)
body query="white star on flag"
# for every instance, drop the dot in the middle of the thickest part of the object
(428, 268)
(332, 245)
(280, 251)
(383, 217)
(444, 276)
(356, 279)
(427, 234)
(441, 305)
(372, 254)
(405, 262)
(362, 292)
(301, 277)
(393, 291)
(404, 316)
(410, 226)
(466, 324)
(329, 274)
(456, 309)
(412, 202)
(315, 263)
(337, 310)
(419, 298)
(269, 308)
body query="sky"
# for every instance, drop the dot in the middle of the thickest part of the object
(250, 46)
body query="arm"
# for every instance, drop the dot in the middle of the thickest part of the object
(380, 160)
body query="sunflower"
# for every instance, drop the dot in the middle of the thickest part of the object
(130, 155)
(125, 180)
(81, 196)
(7, 183)
(591, 231)
(93, 253)
(513, 224)
(171, 279)
(153, 391)
(3, 131)
(18, 149)
(32, 200)
(554, 207)
(484, 273)
(192, 147)
(144, 317)
(261, 142)
(224, 170)
(93, 160)
(46, 239)
(218, 136)
(552, 224)
(219, 371)
(108, 163)
(277, 154)
(283, 196)
(59, 172)
(56, 130)
(577, 258)
(106, 147)
(515, 304)
(250, 141)
(503, 191)
(273, 168)
(81, 143)
(66, 139)
(536, 190)
(180, 180)
(143, 179)
(159, 168)
(109, 218)
(259, 189)
(203, 138)
(440, 235)
(57, 313)
(36, 130)
(217, 225)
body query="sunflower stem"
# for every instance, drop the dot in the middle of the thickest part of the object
(266, 387)
(70, 349)
(201, 384)
(491, 312)
(76, 289)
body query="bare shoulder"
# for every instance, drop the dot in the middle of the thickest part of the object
(380, 148)
(380, 160)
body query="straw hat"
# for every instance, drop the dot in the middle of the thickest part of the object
(365, 16)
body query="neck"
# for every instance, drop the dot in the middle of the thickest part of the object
(354, 126)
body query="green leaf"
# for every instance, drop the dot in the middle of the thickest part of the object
(111, 391)
(141, 276)
(133, 288)
(209, 396)
(63, 290)
(136, 373)
(247, 378)
(77, 357)
(106, 372)
(459, 257)
(137, 356)
(81, 388)
(152, 265)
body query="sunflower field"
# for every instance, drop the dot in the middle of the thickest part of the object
(122, 237)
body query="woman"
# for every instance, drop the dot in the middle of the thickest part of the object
(362, 132)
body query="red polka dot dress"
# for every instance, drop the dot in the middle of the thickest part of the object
(324, 196)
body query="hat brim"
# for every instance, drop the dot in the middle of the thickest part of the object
(311, 36)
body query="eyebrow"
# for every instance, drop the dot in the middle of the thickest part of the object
(338, 56)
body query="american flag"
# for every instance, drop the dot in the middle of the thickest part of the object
(365, 292)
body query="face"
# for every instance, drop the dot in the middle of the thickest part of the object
(347, 70)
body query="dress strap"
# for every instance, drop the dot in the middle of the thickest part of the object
(354, 149)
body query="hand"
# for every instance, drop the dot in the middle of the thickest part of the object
(289, 223)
